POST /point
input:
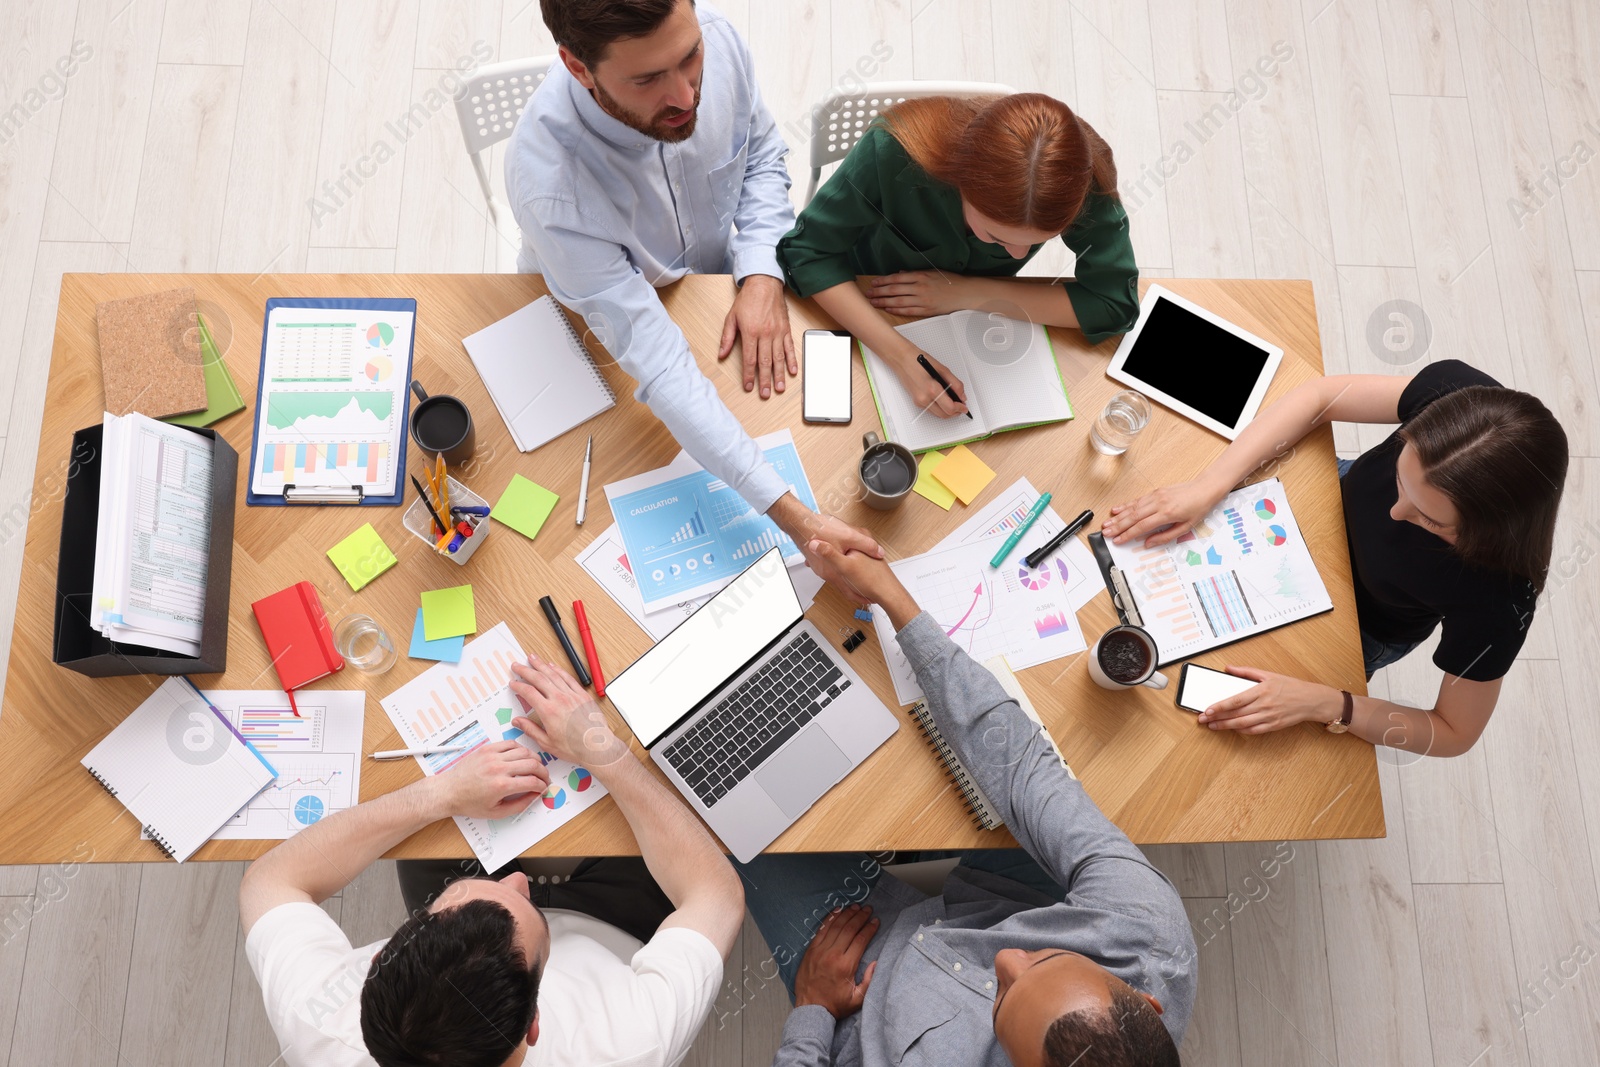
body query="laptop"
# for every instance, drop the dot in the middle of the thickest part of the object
(749, 711)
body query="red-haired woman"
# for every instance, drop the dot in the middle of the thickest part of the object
(945, 199)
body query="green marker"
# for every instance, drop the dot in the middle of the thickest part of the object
(1016, 535)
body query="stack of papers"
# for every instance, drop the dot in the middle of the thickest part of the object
(153, 537)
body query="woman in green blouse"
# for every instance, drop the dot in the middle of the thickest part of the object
(945, 199)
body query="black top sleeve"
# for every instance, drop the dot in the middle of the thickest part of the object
(1437, 380)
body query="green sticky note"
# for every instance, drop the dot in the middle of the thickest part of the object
(524, 506)
(930, 487)
(448, 613)
(362, 556)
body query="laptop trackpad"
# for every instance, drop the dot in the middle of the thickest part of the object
(804, 771)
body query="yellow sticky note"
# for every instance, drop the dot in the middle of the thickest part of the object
(524, 506)
(362, 556)
(963, 473)
(448, 613)
(929, 486)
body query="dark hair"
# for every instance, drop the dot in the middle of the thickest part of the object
(586, 28)
(1501, 458)
(1022, 160)
(1127, 1034)
(450, 987)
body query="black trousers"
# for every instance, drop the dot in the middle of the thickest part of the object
(614, 889)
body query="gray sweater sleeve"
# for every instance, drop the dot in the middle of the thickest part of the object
(807, 1039)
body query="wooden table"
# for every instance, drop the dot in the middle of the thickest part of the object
(1146, 763)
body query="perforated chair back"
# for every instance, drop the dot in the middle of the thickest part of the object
(489, 105)
(840, 120)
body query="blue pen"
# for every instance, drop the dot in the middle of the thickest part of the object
(470, 510)
(1022, 528)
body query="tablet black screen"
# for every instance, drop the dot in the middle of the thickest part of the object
(1195, 361)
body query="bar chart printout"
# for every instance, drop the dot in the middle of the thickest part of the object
(471, 703)
(1242, 571)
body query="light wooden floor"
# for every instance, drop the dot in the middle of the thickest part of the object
(1428, 151)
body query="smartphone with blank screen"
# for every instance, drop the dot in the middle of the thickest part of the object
(826, 354)
(1200, 687)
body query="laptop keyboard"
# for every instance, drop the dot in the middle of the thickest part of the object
(753, 721)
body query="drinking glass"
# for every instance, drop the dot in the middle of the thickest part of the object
(1119, 423)
(364, 644)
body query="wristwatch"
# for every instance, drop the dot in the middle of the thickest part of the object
(1342, 723)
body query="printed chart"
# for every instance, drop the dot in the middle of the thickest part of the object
(332, 404)
(471, 703)
(688, 533)
(317, 757)
(1242, 571)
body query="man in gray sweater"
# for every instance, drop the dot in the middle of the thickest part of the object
(1073, 951)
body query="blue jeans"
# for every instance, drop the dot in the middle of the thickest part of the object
(790, 894)
(1377, 654)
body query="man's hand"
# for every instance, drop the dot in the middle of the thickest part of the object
(917, 293)
(827, 974)
(867, 577)
(493, 781)
(759, 320)
(565, 720)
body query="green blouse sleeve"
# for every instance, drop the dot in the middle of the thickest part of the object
(815, 255)
(1105, 289)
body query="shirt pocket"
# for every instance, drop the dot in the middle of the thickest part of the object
(888, 252)
(727, 182)
(914, 1020)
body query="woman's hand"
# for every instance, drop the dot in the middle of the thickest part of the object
(1175, 507)
(827, 974)
(919, 293)
(1276, 702)
(929, 394)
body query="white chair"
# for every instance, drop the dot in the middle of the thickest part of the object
(839, 121)
(488, 107)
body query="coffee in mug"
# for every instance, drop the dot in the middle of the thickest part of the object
(1124, 657)
(887, 471)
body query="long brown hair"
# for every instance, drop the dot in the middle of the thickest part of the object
(1022, 160)
(1501, 458)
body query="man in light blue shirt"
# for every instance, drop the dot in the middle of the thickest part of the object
(646, 147)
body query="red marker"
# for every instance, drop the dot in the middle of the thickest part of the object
(588, 648)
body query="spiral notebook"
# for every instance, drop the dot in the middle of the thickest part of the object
(978, 805)
(538, 373)
(180, 767)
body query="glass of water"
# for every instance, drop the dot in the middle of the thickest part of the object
(364, 644)
(1119, 423)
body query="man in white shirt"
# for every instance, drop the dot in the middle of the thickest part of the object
(481, 977)
(645, 155)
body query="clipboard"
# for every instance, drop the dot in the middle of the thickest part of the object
(401, 369)
(1116, 584)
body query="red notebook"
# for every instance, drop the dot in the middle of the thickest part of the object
(298, 636)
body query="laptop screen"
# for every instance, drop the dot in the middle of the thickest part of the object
(708, 648)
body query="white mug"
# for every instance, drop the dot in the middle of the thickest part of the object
(1150, 679)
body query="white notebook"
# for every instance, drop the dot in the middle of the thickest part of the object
(538, 373)
(179, 767)
(1007, 366)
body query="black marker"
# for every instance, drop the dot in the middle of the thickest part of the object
(554, 616)
(936, 376)
(1039, 555)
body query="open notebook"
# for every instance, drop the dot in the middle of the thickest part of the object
(179, 767)
(1007, 366)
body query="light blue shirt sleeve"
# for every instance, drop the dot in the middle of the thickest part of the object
(764, 213)
(593, 276)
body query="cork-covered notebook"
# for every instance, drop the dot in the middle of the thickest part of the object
(150, 356)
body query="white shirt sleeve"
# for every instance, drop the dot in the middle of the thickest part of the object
(679, 973)
(311, 979)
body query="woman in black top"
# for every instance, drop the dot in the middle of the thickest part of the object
(1450, 521)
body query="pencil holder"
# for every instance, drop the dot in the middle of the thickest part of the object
(418, 520)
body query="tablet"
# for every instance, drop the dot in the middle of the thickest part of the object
(1198, 364)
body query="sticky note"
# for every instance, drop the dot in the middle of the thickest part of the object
(930, 487)
(963, 473)
(447, 649)
(448, 613)
(362, 556)
(524, 506)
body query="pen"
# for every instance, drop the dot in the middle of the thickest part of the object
(554, 616)
(583, 486)
(1022, 527)
(936, 376)
(470, 509)
(1039, 555)
(437, 521)
(588, 647)
(401, 753)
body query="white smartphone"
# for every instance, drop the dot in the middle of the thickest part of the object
(1200, 687)
(827, 376)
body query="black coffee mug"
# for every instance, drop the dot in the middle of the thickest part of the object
(442, 425)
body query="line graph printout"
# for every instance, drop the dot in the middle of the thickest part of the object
(687, 533)
(1242, 571)
(987, 611)
(471, 703)
(331, 405)
(317, 757)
